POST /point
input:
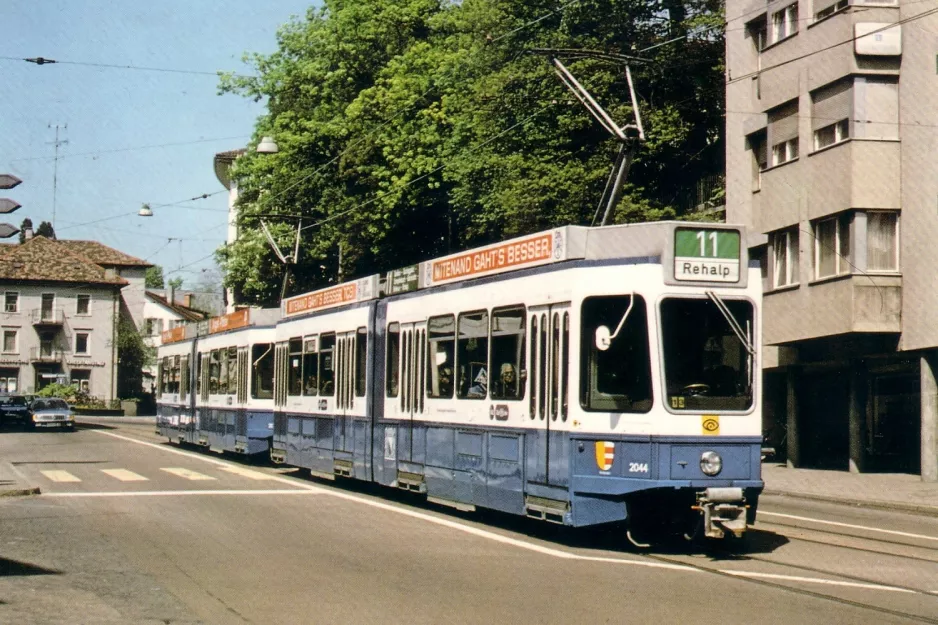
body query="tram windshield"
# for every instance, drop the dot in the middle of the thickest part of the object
(707, 366)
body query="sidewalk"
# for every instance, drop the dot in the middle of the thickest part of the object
(12, 483)
(892, 491)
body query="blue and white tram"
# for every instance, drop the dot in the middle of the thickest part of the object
(323, 418)
(174, 382)
(579, 376)
(234, 383)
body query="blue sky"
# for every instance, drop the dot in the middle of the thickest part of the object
(134, 136)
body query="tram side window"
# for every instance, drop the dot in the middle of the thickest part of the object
(619, 377)
(393, 363)
(327, 364)
(198, 374)
(311, 365)
(295, 373)
(262, 368)
(214, 372)
(232, 370)
(441, 333)
(508, 354)
(472, 350)
(164, 374)
(174, 383)
(361, 351)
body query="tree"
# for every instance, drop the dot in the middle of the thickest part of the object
(45, 230)
(412, 128)
(133, 355)
(27, 223)
(153, 278)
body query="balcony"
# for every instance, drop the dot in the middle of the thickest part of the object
(47, 317)
(46, 354)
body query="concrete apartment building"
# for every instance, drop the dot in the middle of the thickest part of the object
(832, 139)
(61, 302)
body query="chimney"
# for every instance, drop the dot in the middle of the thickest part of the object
(188, 300)
(27, 234)
(172, 294)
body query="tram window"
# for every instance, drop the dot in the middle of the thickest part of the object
(441, 334)
(326, 364)
(295, 369)
(159, 377)
(507, 360)
(619, 378)
(198, 374)
(534, 369)
(472, 350)
(542, 368)
(361, 352)
(184, 376)
(214, 372)
(555, 365)
(262, 371)
(566, 363)
(310, 365)
(393, 364)
(232, 370)
(706, 366)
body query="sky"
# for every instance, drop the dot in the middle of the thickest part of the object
(129, 135)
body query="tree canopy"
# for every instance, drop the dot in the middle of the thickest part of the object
(409, 129)
(153, 278)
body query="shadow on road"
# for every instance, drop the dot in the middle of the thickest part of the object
(15, 568)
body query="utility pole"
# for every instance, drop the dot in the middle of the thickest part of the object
(55, 167)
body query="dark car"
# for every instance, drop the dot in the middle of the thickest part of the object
(51, 412)
(15, 408)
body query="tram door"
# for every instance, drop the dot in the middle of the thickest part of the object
(411, 397)
(344, 364)
(549, 338)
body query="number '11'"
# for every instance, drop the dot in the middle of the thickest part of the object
(702, 237)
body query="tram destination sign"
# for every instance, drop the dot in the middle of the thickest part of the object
(706, 255)
(402, 280)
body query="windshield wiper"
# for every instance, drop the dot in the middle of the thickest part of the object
(730, 319)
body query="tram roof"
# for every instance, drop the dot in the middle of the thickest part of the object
(655, 240)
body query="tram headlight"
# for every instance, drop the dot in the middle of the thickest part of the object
(711, 463)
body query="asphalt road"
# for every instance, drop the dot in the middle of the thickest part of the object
(129, 529)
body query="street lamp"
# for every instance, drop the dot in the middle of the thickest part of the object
(267, 146)
(145, 211)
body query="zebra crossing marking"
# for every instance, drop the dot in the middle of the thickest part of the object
(124, 475)
(187, 474)
(60, 476)
(254, 475)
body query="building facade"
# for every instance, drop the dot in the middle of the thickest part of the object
(831, 128)
(160, 314)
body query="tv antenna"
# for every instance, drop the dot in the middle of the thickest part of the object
(629, 136)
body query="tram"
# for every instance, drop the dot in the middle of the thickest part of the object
(579, 376)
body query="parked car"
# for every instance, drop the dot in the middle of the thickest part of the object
(52, 412)
(14, 408)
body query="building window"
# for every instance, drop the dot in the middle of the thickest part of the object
(11, 303)
(757, 146)
(48, 307)
(832, 247)
(882, 241)
(757, 30)
(9, 342)
(81, 378)
(783, 133)
(829, 10)
(152, 327)
(785, 23)
(81, 342)
(785, 151)
(831, 134)
(876, 107)
(9, 379)
(785, 246)
(83, 305)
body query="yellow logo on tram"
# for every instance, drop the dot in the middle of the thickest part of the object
(710, 424)
(605, 454)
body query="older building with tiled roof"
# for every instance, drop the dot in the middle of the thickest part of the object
(61, 305)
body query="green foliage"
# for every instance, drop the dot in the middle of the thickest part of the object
(175, 283)
(153, 278)
(45, 230)
(413, 128)
(133, 355)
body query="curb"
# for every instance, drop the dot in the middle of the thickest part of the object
(921, 509)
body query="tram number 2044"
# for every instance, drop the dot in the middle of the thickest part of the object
(638, 467)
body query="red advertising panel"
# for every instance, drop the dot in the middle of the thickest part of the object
(519, 253)
(326, 298)
(231, 321)
(173, 335)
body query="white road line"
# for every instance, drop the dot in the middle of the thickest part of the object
(180, 493)
(254, 475)
(186, 473)
(124, 475)
(817, 580)
(849, 525)
(60, 476)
